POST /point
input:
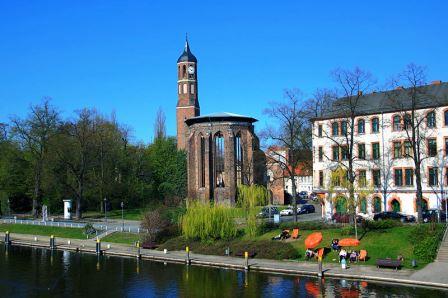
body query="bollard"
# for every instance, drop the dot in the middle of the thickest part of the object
(188, 261)
(319, 272)
(7, 238)
(138, 250)
(246, 257)
(98, 246)
(52, 242)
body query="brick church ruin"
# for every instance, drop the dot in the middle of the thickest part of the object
(222, 148)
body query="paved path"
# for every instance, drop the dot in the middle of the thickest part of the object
(439, 276)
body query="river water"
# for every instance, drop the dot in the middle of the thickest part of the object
(35, 272)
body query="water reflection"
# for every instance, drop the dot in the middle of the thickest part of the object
(32, 272)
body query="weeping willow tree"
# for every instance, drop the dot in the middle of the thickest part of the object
(206, 222)
(249, 197)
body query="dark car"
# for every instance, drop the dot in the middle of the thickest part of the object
(313, 196)
(265, 211)
(340, 217)
(305, 209)
(394, 215)
(432, 215)
(303, 195)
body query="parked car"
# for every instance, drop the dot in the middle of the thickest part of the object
(287, 211)
(305, 209)
(394, 215)
(340, 217)
(265, 211)
(303, 195)
(313, 196)
(432, 215)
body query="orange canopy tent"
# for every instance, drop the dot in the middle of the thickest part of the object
(313, 240)
(348, 242)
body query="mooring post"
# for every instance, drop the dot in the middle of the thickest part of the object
(246, 258)
(7, 238)
(139, 255)
(52, 242)
(319, 272)
(98, 246)
(187, 250)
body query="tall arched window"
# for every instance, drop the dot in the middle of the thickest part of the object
(376, 205)
(238, 160)
(431, 119)
(363, 205)
(375, 125)
(202, 162)
(397, 122)
(219, 160)
(361, 126)
(407, 121)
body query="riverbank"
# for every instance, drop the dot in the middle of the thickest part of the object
(424, 277)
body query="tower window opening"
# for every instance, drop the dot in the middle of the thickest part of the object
(202, 162)
(184, 71)
(192, 88)
(219, 160)
(185, 89)
(239, 160)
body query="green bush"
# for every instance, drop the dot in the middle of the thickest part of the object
(371, 225)
(307, 225)
(266, 227)
(348, 231)
(89, 229)
(426, 241)
(265, 249)
(206, 222)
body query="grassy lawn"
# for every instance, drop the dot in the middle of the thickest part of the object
(129, 214)
(125, 238)
(76, 233)
(379, 244)
(387, 243)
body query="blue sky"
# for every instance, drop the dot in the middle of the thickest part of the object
(120, 56)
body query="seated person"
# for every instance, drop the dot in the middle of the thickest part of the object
(284, 235)
(353, 256)
(400, 258)
(342, 254)
(335, 244)
(309, 253)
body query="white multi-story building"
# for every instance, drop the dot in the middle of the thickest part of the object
(382, 149)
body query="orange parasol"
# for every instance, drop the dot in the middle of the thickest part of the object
(312, 289)
(313, 240)
(348, 242)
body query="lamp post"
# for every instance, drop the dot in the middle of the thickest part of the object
(105, 209)
(122, 216)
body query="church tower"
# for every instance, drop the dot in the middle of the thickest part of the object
(187, 93)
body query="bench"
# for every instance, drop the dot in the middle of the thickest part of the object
(149, 245)
(388, 263)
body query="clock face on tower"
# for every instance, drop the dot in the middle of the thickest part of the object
(191, 69)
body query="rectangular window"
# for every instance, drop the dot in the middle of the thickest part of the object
(180, 89)
(398, 177)
(446, 146)
(185, 89)
(376, 175)
(321, 178)
(375, 125)
(433, 177)
(397, 150)
(362, 178)
(407, 149)
(409, 177)
(361, 151)
(432, 147)
(335, 129)
(319, 130)
(344, 152)
(192, 88)
(344, 128)
(321, 154)
(445, 116)
(375, 150)
(335, 153)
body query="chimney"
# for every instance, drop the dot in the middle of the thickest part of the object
(438, 82)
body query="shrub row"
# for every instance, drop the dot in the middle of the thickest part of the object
(426, 239)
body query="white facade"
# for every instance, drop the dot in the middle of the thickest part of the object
(303, 183)
(388, 162)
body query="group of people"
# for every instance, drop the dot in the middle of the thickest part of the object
(309, 254)
(282, 236)
(351, 256)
